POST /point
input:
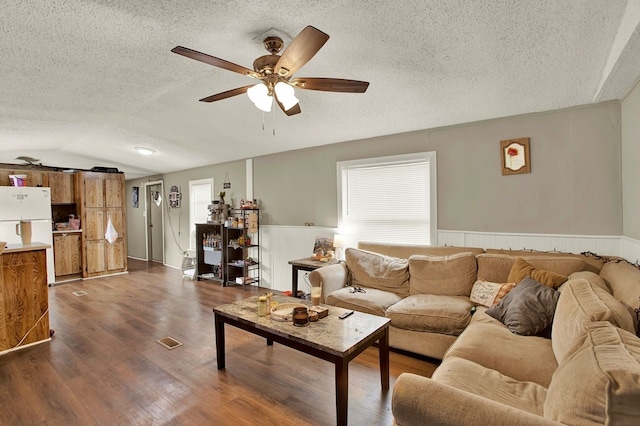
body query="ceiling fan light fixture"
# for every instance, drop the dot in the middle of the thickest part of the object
(259, 95)
(286, 95)
(144, 151)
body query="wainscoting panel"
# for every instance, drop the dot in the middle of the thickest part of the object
(630, 249)
(604, 245)
(280, 244)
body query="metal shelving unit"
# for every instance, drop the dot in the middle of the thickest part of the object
(242, 257)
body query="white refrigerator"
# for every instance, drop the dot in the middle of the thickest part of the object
(27, 203)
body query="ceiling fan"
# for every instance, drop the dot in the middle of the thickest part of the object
(276, 72)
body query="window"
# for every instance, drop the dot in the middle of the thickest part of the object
(200, 196)
(388, 199)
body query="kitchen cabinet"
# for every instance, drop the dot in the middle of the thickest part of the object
(101, 199)
(62, 187)
(34, 178)
(24, 296)
(67, 253)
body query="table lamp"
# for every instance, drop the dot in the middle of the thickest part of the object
(339, 242)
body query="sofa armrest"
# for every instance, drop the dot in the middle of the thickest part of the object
(330, 278)
(419, 400)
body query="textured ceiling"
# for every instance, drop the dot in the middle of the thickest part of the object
(83, 82)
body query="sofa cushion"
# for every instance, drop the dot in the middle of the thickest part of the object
(600, 383)
(373, 302)
(474, 378)
(447, 275)
(489, 343)
(496, 267)
(487, 294)
(581, 303)
(592, 277)
(521, 269)
(623, 279)
(591, 262)
(373, 270)
(527, 309)
(430, 312)
(404, 251)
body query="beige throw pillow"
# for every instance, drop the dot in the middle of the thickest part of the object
(444, 275)
(368, 269)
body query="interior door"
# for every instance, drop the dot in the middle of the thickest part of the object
(155, 204)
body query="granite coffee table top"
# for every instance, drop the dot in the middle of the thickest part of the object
(329, 334)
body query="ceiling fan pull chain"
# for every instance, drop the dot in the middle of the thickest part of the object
(273, 121)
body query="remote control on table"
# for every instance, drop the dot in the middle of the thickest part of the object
(346, 314)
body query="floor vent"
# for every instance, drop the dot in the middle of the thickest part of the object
(169, 342)
(79, 293)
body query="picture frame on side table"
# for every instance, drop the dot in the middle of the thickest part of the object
(515, 155)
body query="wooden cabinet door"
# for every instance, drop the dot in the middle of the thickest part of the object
(93, 192)
(114, 192)
(62, 187)
(66, 253)
(33, 178)
(95, 257)
(24, 312)
(94, 224)
(115, 255)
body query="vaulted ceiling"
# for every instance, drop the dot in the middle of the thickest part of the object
(83, 82)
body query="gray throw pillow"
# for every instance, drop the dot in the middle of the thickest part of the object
(527, 309)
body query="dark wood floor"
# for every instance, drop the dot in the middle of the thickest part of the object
(104, 367)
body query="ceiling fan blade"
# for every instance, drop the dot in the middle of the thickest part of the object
(330, 84)
(212, 60)
(292, 111)
(300, 51)
(227, 94)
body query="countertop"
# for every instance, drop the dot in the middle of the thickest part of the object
(68, 231)
(15, 248)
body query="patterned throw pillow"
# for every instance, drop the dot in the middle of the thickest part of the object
(487, 294)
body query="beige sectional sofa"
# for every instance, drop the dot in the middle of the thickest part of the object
(585, 370)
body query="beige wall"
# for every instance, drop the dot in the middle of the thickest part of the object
(630, 112)
(575, 184)
(176, 220)
(573, 187)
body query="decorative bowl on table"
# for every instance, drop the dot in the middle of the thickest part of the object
(284, 311)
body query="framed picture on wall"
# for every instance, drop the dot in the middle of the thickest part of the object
(515, 156)
(135, 192)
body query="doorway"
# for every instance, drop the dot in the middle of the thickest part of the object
(154, 214)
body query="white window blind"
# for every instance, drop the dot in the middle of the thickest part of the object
(388, 199)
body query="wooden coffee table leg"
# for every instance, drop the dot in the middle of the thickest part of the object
(383, 350)
(219, 341)
(342, 391)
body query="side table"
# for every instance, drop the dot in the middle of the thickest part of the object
(306, 264)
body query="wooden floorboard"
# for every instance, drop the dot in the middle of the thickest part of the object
(103, 365)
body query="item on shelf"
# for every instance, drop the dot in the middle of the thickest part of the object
(74, 222)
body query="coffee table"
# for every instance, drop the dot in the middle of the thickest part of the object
(332, 339)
